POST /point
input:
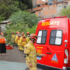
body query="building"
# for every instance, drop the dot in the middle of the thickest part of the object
(3, 24)
(49, 8)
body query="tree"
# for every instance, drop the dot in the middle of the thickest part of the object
(65, 11)
(12, 9)
(23, 6)
(10, 6)
(1, 18)
(18, 27)
(23, 22)
(7, 11)
(27, 2)
(14, 28)
(26, 17)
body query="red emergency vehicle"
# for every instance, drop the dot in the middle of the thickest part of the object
(54, 41)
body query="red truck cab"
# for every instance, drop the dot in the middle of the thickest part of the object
(53, 40)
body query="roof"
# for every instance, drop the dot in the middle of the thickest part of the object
(5, 21)
(35, 10)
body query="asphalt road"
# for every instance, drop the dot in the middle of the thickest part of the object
(14, 55)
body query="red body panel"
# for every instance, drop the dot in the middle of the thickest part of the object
(54, 24)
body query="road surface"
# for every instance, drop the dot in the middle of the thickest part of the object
(14, 60)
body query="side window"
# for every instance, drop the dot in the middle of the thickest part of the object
(42, 37)
(56, 37)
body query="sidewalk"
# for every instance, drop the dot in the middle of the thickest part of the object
(5, 65)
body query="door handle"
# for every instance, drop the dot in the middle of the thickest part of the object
(49, 53)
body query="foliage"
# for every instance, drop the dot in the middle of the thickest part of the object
(1, 17)
(4, 10)
(65, 11)
(12, 9)
(33, 29)
(10, 6)
(7, 11)
(23, 6)
(27, 2)
(20, 28)
(20, 5)
(14, 28)
(23, 22)
(6, 2)
(27, 18)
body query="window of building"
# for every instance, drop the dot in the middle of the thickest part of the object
(46, 3)
(56, 37)
(43, 0)
(38, 5)
(42, 37)
(64, 6)
(59, 0)
(50, 3)
(39, 13)
(49, 0)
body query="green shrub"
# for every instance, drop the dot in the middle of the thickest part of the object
(26, 17)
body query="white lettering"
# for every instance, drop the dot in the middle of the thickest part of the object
(54, 22)
(51, 23)
(58, 22)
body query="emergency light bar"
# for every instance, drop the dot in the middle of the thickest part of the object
(55, 17)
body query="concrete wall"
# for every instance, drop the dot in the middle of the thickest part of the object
(50, 10)
(59, 0)
(3, 26)
(34, 3)
(68, 4)
(59, 8)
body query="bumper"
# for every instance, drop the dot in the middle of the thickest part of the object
(43, 67)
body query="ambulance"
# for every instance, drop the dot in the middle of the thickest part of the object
(53, 40)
